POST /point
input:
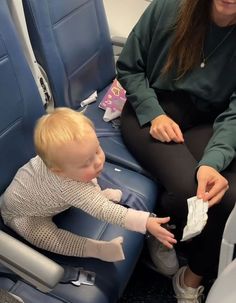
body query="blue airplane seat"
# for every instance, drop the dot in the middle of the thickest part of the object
(71, 41)
(20, 107)
(223, 289)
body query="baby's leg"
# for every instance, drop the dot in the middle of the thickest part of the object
(112, 194)
(43, 233)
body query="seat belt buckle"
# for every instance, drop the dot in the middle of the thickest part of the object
(85, 277)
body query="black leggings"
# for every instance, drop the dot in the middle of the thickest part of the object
(174, 166)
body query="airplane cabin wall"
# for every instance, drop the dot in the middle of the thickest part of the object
(122, 15)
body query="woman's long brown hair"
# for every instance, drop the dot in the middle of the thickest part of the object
(190, 31)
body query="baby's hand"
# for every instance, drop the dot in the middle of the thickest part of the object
(112, 194)
(159, 232)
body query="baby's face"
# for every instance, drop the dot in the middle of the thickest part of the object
(82, 161)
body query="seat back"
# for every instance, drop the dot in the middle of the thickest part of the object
(223, 290)
(20, 107)
(20, 103)
(228, 242)
(71, 41)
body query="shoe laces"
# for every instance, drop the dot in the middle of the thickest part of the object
(195, 297)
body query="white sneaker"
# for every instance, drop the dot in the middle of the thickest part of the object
(185, 294)
(163, 258)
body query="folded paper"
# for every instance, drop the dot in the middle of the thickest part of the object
(197, 218)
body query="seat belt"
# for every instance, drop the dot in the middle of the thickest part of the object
(78, 276)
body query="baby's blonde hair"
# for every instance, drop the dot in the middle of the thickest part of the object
(56, 129)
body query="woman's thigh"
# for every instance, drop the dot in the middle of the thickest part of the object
(173, 165)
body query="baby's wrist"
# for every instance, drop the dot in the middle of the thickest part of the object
(151, 215)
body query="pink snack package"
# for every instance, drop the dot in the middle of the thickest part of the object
(114, 100)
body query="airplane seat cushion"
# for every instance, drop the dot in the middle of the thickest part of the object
(110, 136)
(26, 292)
(141, 193)
(138, 193)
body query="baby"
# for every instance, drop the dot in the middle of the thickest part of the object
(63, 174)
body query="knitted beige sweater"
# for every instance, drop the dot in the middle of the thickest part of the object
(36, 195)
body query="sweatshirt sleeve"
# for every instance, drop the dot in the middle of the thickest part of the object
(131, 66)
(221, 148)
(87, 198)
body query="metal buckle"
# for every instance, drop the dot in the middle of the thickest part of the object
(85, 277)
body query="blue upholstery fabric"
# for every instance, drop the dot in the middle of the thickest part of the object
(16, 88)
(110, 138)
(20, 106)
(71, 41)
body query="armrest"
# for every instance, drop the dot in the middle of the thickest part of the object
(29, 264)
(118, 41)
(117, 44)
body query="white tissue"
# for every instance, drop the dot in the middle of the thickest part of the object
(197, 218)
(110, 115)
(89, 100)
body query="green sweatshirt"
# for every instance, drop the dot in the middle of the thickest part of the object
(212, 87)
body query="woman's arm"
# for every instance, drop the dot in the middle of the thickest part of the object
(221, 148)
(132, 65)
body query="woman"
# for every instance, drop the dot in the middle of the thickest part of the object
(178, 69)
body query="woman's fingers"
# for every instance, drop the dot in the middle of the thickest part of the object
(165, 129)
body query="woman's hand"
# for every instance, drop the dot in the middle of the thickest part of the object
(211, 185)
(165, 129)
(159, 232)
